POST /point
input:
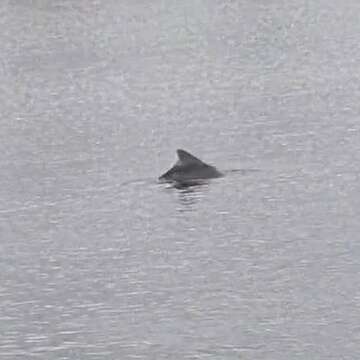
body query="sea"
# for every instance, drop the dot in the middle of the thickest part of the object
(99, 260)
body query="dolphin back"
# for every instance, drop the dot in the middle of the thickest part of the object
(188, 167)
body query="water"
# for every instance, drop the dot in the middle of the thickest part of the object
(98, 260)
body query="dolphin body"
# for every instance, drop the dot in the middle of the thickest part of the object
(189, 170)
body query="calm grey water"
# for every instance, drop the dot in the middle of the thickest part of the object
(98, 260)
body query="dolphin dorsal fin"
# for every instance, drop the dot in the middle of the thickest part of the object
(186, 158)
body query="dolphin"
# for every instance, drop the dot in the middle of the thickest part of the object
(189, 169)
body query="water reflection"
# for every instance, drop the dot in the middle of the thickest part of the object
(189, 195)
(189, 184)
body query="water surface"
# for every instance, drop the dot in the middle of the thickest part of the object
(100, 261)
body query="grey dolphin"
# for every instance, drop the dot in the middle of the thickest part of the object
(189, 168)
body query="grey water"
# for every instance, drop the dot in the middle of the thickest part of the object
(100, 261)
